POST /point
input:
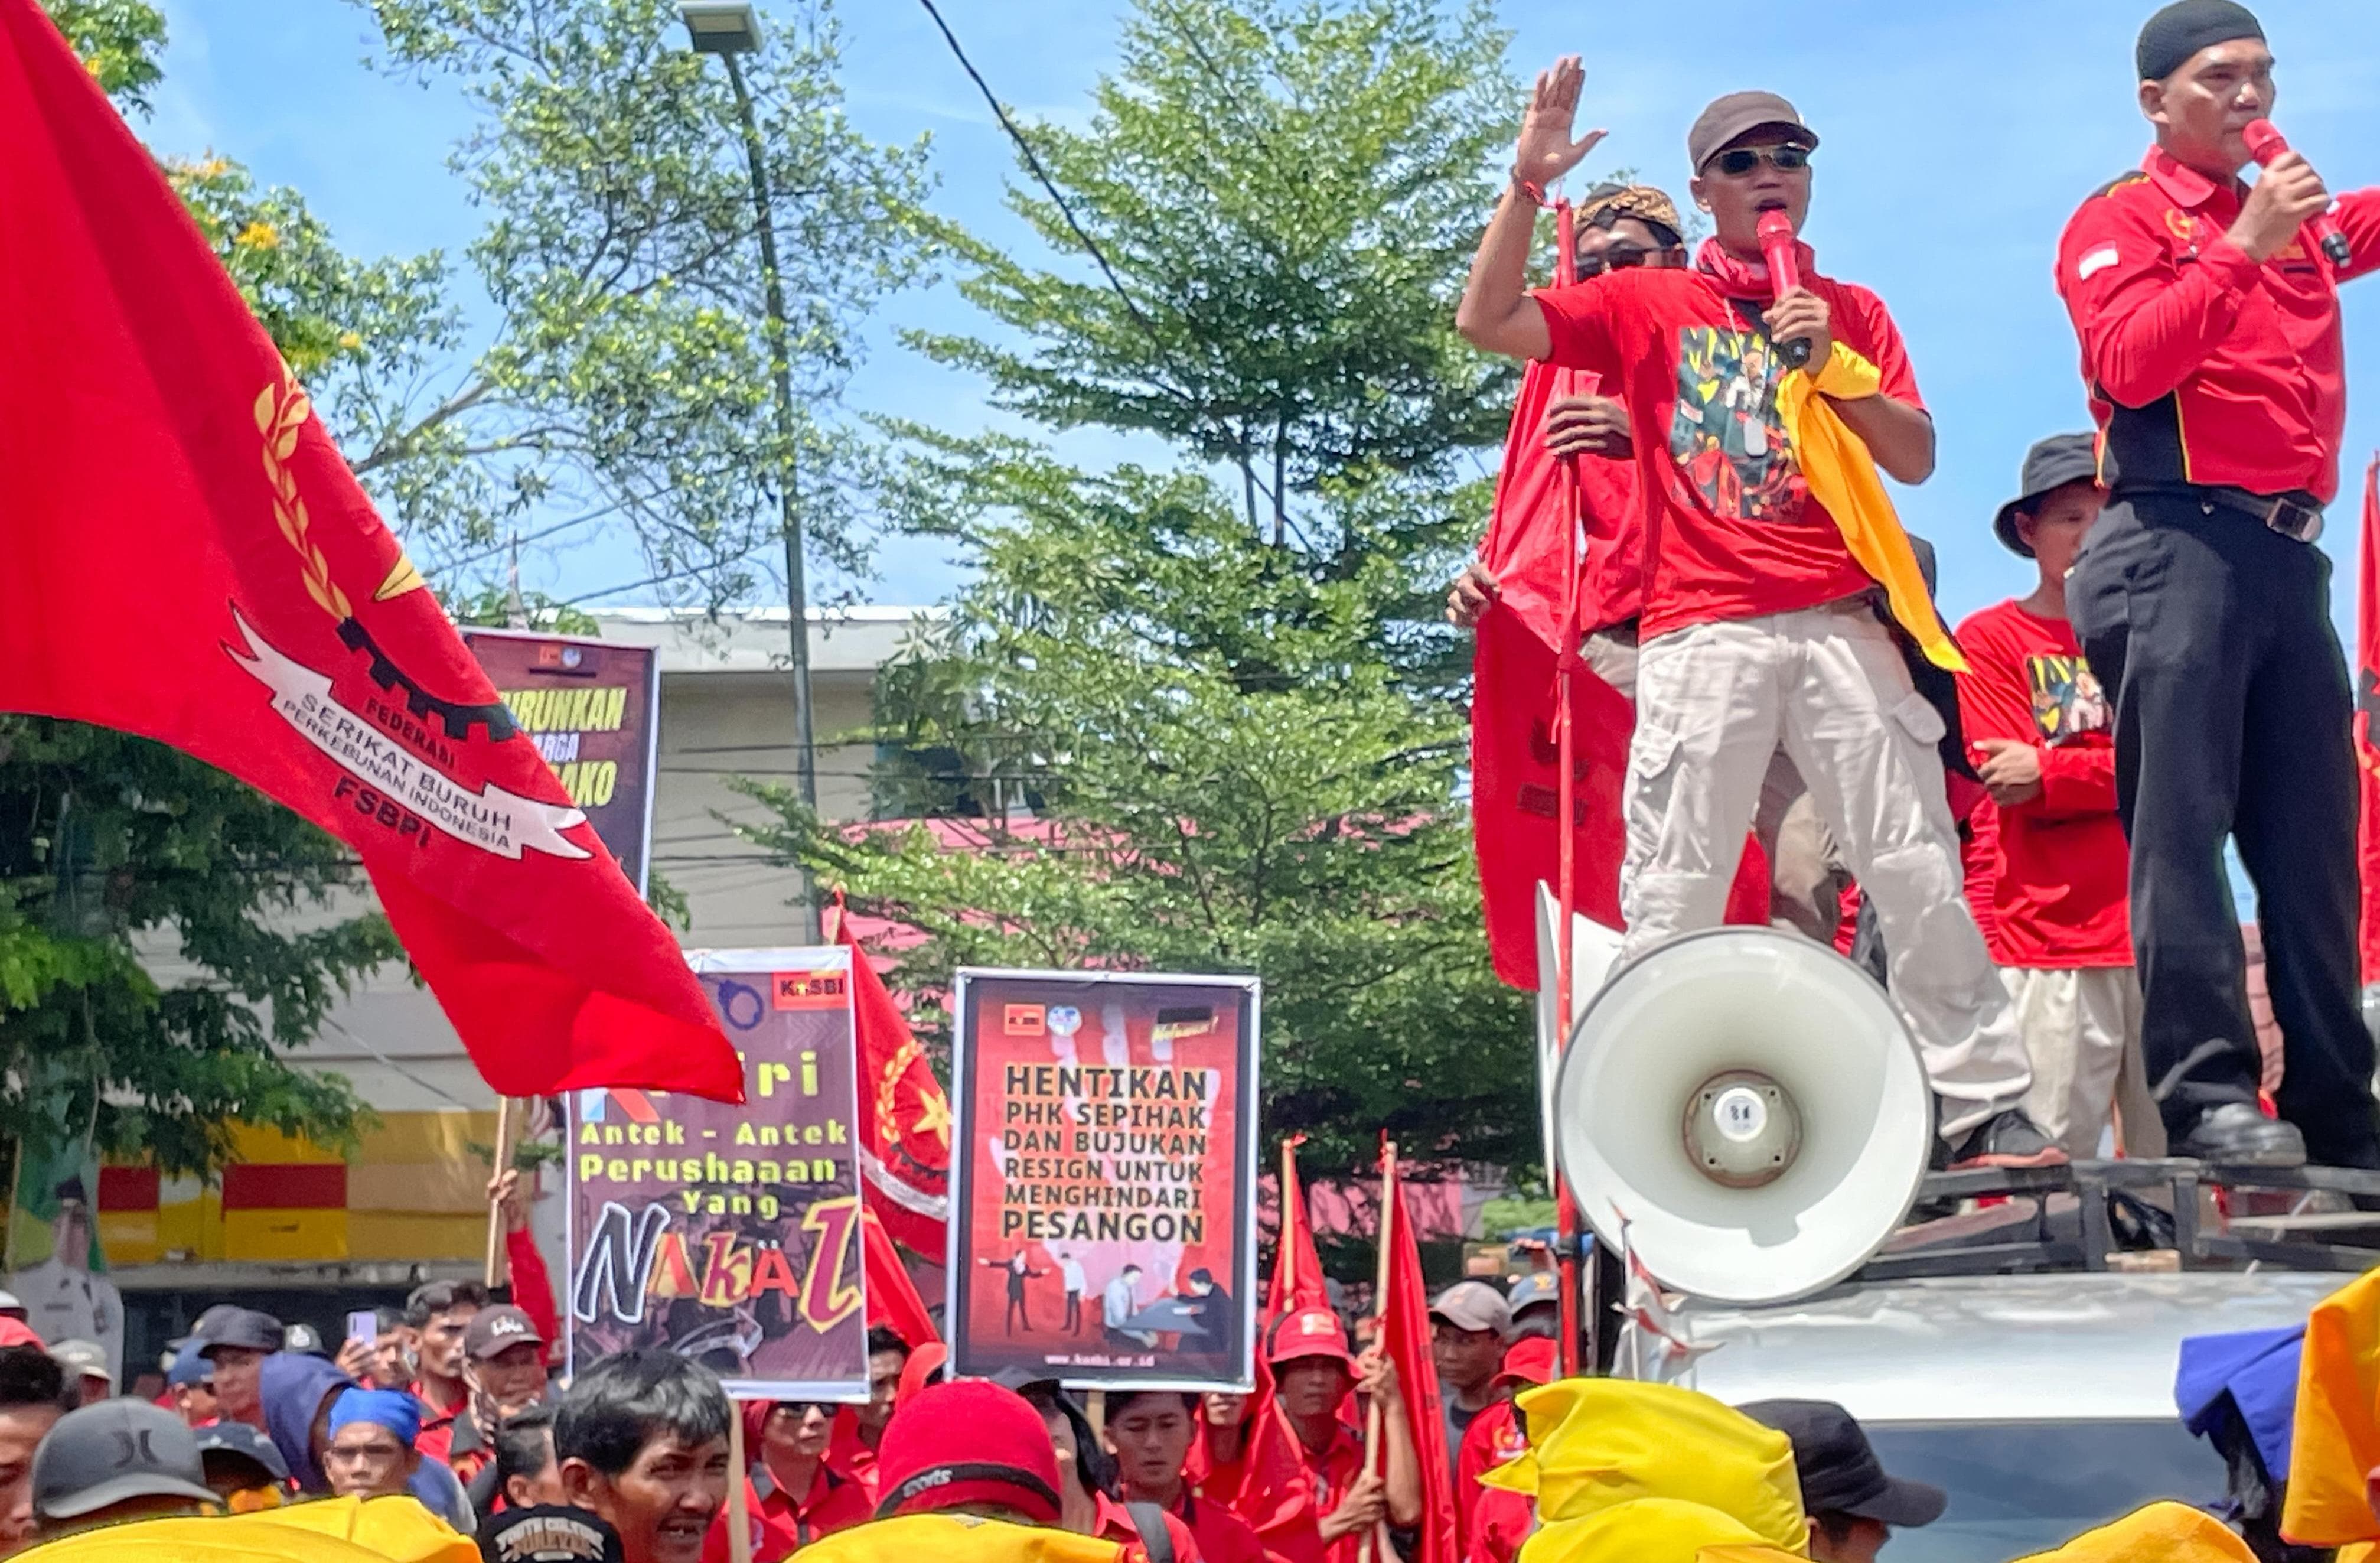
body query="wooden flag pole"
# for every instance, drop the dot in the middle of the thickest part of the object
(739, 1515)
(1375, 1431)
(496, 1268)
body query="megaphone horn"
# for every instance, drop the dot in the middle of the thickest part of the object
(1754, 1103)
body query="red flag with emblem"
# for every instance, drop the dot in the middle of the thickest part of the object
(2367, 703)
(905, 1118)
(190, 560)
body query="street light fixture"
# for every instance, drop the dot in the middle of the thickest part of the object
(720, 27)
(729, 28)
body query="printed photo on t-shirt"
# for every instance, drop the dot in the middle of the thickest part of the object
(2067, 699)
(1726, 436)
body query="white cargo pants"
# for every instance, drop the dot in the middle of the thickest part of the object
(1713, 702)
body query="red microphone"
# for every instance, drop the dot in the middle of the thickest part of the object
(1777, 248)
(2264, 144)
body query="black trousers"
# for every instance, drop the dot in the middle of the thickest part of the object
(2234, 718)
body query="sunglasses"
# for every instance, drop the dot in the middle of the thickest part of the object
(1736, 161)
(1615, 258)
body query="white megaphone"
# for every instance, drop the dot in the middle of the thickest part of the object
(1751, 1107)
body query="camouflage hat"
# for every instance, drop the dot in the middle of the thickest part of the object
(1606, 204)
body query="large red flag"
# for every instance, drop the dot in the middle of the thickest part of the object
(1404, 1339)
(1531, 548)
(905, 1118)
(187, 557)
(2367, 703)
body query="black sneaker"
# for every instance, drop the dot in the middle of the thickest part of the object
(2008, 1139)
(2238, 1134)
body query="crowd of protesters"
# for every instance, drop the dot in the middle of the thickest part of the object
(453, 1419)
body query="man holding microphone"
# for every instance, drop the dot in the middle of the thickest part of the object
(1760, 626)
(2208, 316)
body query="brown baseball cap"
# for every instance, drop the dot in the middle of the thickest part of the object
(497, 1329)
(1736, 114)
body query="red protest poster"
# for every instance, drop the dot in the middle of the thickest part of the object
(593, 710)
(731, 1234)
(1103, 1180)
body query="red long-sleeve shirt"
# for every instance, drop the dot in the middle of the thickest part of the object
(2054, 894)
(2204, 366)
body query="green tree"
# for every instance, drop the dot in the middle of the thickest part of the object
(630, 365)
(1288, 193)
(1230, 719)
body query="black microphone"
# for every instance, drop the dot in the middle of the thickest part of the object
(2264, 144)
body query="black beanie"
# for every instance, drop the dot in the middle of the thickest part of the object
(2184, 28)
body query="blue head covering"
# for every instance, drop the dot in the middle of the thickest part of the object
(2254, 1372)
(294, 1388)
(189, 1366)
(392, 1408)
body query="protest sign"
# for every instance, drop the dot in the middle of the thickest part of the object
(1103, 1187)
(732, 1234)
(593, 710)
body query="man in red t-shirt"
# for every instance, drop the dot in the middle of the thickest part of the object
(1621, 227)
(2051, 885)
(1760, 627)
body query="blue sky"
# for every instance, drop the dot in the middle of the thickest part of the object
(1959, 136)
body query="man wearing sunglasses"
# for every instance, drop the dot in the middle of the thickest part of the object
(1620, 227)
(1760, 627)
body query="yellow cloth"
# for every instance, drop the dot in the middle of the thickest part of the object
(1842, 477)
(1599, 1444)
(1641, 1531)
(2337, 1436)
(233, 1539)
(2162, 1533)
(398, 1528)
(957, 1538)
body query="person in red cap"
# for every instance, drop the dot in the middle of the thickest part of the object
(792, 1494)
(1316, 1373)
(968, 1448)
(1496, 1436)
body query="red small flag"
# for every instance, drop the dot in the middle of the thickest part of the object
(1405, 1340)
(2367, 703)
(188, 558)
(893, 1299)
(1267, 1487)
(1296, 1273)
(905, 1118)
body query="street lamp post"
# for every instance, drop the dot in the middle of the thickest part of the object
(729, 28)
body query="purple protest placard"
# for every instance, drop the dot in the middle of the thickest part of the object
(732, 1234)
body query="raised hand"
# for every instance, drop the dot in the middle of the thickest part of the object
(1544, 152)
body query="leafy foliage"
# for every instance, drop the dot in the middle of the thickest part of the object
(1288, 193)
(630, 366)
(1230, 723)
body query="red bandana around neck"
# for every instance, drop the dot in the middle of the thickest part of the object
(1739, 279)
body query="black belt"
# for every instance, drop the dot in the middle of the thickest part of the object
(2296, 515)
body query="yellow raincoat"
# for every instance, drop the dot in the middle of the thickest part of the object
(958, 1538)
(329, 1530)
(1842, 477)
(2162, 1533)
(2336, 1438)
(1628, 1473)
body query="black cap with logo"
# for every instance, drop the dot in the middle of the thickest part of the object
(550, 1534)
(113, 1451)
